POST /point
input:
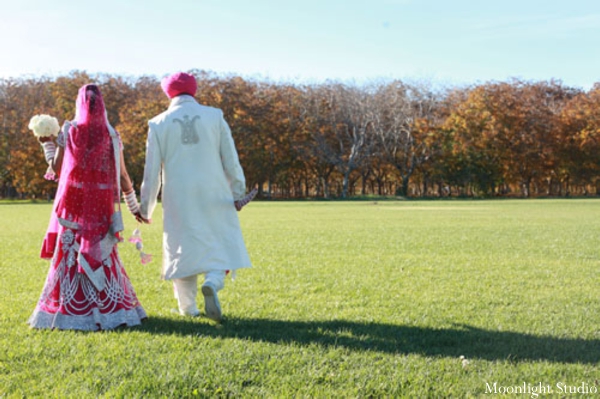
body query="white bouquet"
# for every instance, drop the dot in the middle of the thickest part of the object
(44, 125)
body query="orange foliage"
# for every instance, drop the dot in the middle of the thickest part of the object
(498, 138)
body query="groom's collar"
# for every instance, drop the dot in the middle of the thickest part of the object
(183, 98)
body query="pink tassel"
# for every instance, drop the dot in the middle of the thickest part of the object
(136, 238)
(145, 258)
(50, 176)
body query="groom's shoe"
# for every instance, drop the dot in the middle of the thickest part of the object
(211, 302)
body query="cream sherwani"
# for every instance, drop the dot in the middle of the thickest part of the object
(192, 146)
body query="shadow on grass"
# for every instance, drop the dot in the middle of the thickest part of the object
(463, 340)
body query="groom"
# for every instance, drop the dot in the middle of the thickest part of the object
(202, 186)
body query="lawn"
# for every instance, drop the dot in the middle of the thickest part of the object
(345, 299)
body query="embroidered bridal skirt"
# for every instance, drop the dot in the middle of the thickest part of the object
(69, 300)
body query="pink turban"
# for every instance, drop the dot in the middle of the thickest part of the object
(179, 83)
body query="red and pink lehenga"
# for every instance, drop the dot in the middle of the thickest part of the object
(87, 287)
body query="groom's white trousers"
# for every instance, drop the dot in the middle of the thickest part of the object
(186, 290)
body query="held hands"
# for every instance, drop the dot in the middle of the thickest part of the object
(134, 207)
(138, 216)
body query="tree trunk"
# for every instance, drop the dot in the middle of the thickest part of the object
(527, 188)
(345, 184)
(306, 188)
(325, 187)
(261, 190)
(364, 186)
(269, 188)
(404, 187)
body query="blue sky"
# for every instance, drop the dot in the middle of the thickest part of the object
(450, 42)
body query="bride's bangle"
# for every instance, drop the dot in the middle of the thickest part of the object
(131, 201)
(49, 150)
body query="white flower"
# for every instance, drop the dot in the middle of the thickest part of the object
(44, 125)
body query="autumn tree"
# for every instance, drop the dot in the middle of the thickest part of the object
(335, 138)
(346, 135)
(23, 164)
(403, 115)
(579, 141)
(146, 101)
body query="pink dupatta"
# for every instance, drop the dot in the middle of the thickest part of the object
(87, 199)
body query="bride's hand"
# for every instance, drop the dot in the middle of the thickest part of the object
(45, 139)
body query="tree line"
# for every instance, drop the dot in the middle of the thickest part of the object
(339, 140)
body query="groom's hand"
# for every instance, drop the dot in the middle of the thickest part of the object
(238, 205)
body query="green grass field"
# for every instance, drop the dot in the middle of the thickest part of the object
(345, 299)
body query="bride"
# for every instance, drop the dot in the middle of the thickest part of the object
(87, 287)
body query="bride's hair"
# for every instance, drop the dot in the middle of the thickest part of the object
(92, 93)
